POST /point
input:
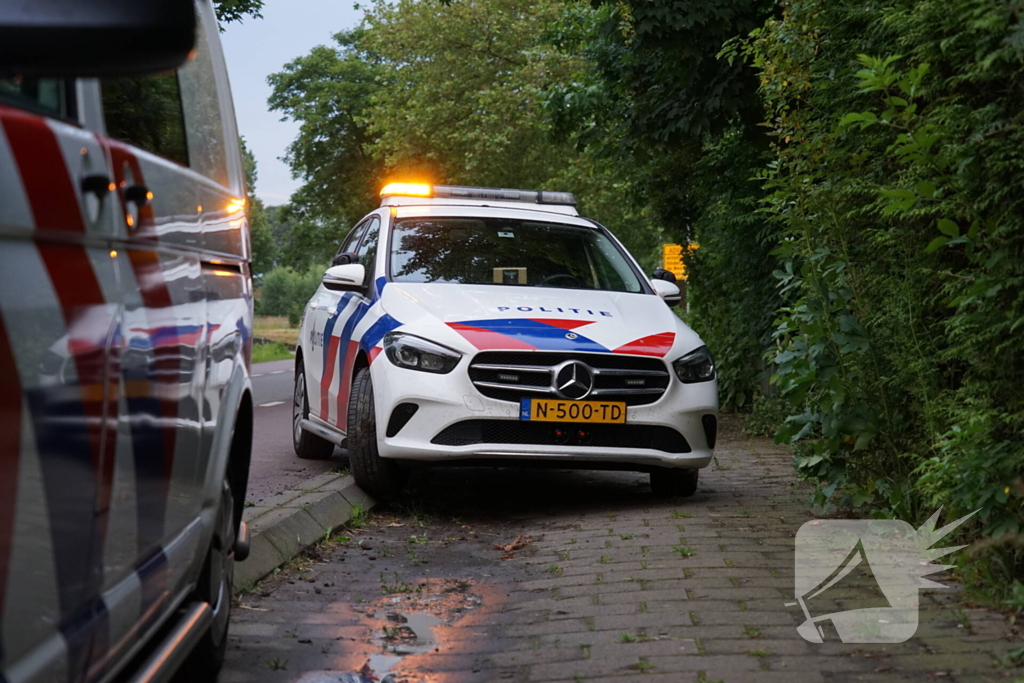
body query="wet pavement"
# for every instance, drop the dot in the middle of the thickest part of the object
(549, 575)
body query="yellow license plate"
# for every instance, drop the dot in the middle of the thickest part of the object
(553, 410)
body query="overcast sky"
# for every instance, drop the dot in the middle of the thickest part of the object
(255, 48)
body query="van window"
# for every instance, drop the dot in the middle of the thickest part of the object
(146, 112)
(46, 96)
(202, 114)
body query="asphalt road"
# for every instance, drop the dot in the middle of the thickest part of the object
(274, 463)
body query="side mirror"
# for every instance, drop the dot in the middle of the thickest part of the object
(662, 274)
(347, 278)
(344, 258)
(84, 38)
(668, 291)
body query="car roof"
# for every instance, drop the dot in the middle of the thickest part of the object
(477, 210)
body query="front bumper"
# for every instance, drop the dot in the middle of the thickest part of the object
(445, 400)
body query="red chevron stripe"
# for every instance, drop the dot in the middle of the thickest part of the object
(10, 453)
(43, 171)
(486, 339)
(653, 345)
(328, 377)
(564, 324)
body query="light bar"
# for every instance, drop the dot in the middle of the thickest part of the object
(477, 193)
(406, 190)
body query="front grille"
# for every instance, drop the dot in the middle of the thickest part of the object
(513, 375)
(625, 436)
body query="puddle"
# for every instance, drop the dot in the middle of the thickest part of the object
(406, 625)
(410, 633)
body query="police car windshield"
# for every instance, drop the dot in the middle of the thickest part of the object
(503, 251)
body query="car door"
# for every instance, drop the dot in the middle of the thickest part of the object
(59, 319)
(322, 362)
(351, 308)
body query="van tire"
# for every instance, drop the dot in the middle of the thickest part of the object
(674, 482)
(378, 476)
(307, 446)
(215, 587)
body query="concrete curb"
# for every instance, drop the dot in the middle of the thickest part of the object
(286, 524)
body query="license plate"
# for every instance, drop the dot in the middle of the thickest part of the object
(553, 410)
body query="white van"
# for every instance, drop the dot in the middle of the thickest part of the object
(125, 338)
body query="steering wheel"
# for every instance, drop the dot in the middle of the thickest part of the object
(551, 279)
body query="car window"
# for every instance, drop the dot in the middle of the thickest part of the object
(201, 107)
(352, 240)
(367, 250)
(506, 251)
(47, 96)
(146, 112)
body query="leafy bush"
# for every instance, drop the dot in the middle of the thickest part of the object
(896, 191)
(286, 291)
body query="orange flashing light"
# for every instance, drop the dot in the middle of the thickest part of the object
(407, 190)
(236, 205)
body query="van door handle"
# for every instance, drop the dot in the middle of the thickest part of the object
(138, 195)
(97, 184)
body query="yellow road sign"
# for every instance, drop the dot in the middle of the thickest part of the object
(672, 258)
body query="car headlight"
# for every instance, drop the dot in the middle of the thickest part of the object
(696, 366)
(414, 353)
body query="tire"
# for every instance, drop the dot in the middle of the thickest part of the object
(307, 446)
(379, 476)
(674, 482)
(215, 586)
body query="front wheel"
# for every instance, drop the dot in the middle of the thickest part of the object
(674, 482)
(307, 446)
(215, 583)
(379, 476)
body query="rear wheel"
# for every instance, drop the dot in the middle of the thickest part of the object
(382, 477)
(215, 583)
(307, 446)
(674, 482)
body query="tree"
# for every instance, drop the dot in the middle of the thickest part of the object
(328, 93)
(236, 10)
(264, 249)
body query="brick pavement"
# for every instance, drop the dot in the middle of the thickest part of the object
(613, 584)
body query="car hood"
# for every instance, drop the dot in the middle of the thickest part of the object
(490, 317)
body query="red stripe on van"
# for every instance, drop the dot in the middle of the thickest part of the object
(79, 294)
(10, 453)
(43, 171)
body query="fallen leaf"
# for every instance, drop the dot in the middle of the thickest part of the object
(520, 542)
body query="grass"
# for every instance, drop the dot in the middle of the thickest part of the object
(264, 353)
(274, 328)
(679, 514)
(684, 550)
(627, 638)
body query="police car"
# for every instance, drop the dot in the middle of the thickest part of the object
(493, 326)
(125, 339)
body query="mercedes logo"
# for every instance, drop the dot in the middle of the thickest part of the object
(574, 380)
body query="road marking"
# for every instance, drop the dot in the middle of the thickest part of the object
(278, 372)
(258, 374)
(271, 404)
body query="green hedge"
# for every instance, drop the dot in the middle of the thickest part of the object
(285, 291)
